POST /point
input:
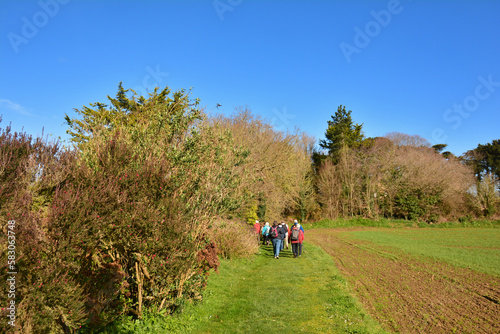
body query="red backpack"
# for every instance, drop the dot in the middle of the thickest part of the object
(274, 232)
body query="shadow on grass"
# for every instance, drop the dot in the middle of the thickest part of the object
(267, 251)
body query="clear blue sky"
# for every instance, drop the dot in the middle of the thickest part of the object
(430, 68)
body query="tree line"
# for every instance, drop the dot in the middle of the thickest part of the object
(153, 192)
(402, 176)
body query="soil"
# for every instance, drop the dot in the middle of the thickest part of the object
(410, 294)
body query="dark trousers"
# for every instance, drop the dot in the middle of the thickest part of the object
(297, 249)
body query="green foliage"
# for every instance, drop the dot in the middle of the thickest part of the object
(251, 214)
(154, 175)
(124, 221)
(261, 209)
(163, 110)
(485, 159)
(486, 198)
(415, 203)
(341, 131)
(439, 147)
(151, 322)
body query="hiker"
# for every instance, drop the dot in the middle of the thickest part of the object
(296, 238)
(276, 234)
(282, 235)
(265, 234)
(287, 230)
(256, 230)
(256, 227)
(295, 222)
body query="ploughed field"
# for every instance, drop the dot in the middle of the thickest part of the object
(421, 280)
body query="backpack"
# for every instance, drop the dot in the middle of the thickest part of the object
(274, 232)
(295, 234)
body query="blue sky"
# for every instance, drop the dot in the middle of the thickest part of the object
(418, 67)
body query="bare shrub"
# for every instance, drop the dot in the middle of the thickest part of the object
(278, 166)
(329, 190)
(403, 139)
(234, 239)
(429, 185)
(484, 196)
(400, 181)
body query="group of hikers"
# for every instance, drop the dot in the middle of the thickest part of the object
(280, 235)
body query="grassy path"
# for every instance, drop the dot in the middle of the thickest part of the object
(267, 295)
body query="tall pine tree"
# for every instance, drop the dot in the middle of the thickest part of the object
(341, 131)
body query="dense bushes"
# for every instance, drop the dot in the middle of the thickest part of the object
(135, 216)
(47, 298)
(385, 179)
(142, 200)
(121, 223)
(278, 174)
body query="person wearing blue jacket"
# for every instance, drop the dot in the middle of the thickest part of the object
(265, 234)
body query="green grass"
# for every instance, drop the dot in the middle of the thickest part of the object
(267, 295)
(399, 223)
(308, 295)
(474, 248)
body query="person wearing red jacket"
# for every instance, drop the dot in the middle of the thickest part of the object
(257, 229)
(296, 237)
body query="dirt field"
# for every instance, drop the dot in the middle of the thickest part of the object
(407, 294)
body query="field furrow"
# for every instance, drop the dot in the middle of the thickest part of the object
(414, 294)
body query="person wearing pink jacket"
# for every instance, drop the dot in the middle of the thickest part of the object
(296, 237)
